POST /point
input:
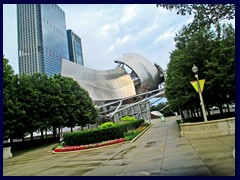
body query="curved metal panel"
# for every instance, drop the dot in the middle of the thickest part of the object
(146, 71)
(101, 85)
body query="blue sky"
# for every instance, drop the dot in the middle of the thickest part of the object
(108, 31)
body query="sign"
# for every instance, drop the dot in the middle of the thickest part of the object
(195, 84)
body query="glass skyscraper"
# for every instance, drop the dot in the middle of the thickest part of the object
(74, 47)
(42, 38)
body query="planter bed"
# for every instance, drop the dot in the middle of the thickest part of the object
(66, 149)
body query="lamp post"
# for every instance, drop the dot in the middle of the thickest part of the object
(195, 70)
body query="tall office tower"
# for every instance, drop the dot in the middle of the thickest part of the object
(42, 38)
(74, 47)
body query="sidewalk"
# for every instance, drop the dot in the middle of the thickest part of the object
(160, 151)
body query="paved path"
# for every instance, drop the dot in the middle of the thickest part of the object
(158, 152)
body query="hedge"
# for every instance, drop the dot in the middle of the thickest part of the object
(99, 135)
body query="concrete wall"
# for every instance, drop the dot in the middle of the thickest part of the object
(7, 152)
(208, 129)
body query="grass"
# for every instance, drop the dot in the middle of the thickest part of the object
(18, 152)
(130, 135)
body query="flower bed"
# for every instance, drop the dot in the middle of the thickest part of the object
(89, 146)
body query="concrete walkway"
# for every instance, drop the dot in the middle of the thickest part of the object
(160, 151)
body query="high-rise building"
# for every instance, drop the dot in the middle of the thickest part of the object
(74, 47)
(42, 38)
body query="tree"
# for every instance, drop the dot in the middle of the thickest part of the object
(205, 15)
(41, 102)
(12, 113)
(43, 86)
(213, 52)
(84, 111)
(76, 107)
(8, 75)
(220, 67)
(28, 97)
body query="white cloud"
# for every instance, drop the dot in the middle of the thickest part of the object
(119, 42)
(109, 30)
(150, 29)
(166, 35)
(104, 30)
(129, 13)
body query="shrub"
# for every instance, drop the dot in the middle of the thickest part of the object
(98, 135)
(128, 136)
(128, 118)
(106, 125)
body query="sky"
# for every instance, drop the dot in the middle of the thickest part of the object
(108, 31)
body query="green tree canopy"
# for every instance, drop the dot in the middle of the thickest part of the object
(41, 102)
(12, 113)
(205, 15)
(212, 50)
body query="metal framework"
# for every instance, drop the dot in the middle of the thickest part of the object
(139, 109)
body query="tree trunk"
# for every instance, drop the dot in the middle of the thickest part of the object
(208, 110)
(201, 113)
(181, 114)
(192, 112)
(46, 133)
(220, 108)
(31, 136)
(42, 137)
(59, 132)
(11, 141)
(197, 111)
(54, 131)
(71, 129)
(228, 108)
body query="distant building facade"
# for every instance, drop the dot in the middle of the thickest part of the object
(42, 38)
(74, 47)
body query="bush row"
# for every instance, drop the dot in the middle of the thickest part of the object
(99, 135)
(128, 118)
(211, 117)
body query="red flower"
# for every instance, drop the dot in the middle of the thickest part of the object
(74, 148)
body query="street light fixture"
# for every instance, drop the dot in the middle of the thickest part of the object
(195, 70)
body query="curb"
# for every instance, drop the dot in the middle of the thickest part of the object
(234, 153)
(134, 139)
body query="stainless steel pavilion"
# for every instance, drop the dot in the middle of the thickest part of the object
(116, 92)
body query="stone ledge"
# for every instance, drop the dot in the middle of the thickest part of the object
(214, 128)
(7, 152)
